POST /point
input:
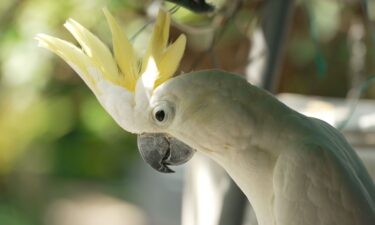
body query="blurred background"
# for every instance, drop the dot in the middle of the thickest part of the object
(64, 161)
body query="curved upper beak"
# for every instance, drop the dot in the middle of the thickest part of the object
(161, 150)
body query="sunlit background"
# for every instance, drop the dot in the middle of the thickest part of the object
(63, 161)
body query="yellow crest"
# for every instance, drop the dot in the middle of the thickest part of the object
(124, 69)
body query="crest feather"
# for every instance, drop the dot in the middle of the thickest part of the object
(124, 53)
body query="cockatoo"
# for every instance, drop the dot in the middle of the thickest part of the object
(292, 168)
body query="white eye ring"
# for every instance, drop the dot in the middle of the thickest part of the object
(163, 113)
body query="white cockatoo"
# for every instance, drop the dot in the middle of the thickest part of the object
(292, 168)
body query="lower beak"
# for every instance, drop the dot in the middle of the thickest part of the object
(161, 150)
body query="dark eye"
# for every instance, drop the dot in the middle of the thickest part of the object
(160, 115)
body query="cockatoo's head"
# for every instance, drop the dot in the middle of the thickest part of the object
(125, 84)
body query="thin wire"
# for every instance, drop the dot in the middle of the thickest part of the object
(134, 36)
(360, 90)
(366, 84)
(217, 37)
(172, 11)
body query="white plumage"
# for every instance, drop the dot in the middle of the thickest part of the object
(293, 169)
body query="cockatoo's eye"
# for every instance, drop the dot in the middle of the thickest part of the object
(163, 113)
(160, 115)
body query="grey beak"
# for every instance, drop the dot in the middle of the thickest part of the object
(161, 150)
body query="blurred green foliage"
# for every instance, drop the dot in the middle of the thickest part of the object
(55, 135)
(51, 127)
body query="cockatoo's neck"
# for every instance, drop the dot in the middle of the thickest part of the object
(252, 170)
(252, 166)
